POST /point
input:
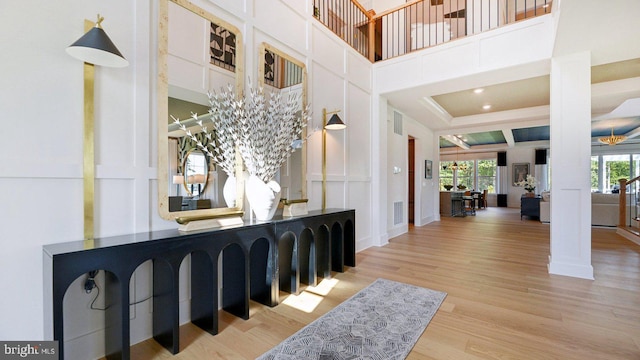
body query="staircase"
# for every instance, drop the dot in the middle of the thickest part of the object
(629, 229)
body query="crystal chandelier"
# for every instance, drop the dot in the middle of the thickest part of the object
(613, 139)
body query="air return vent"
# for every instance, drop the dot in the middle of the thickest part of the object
(397, 212)
(397, 123)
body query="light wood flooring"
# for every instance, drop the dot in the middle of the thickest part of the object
(501, 302)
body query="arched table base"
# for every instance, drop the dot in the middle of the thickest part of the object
(250, 270)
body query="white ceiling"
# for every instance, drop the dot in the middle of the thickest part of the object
(453, 107)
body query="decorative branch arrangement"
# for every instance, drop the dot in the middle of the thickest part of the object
(264, 130)
(267, 133)
(223, 137)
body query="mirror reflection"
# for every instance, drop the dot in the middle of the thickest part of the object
(200, 57)
(279, 72)
(196, 173)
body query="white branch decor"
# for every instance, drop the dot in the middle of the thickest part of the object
(263, 129)
(266, 134)
(222, 114)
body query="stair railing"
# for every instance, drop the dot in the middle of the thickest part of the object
(633, 191)
(419, 24)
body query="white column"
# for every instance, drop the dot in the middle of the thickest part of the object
(570, 159)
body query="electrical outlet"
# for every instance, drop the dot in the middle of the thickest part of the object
(90, 283)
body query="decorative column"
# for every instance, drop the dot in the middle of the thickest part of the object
(570, 159)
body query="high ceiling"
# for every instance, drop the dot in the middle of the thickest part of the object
(519, 97)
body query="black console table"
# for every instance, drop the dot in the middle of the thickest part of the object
(530, 206)
(258, 259)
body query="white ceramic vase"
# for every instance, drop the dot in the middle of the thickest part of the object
(263, 198)
(229, 191)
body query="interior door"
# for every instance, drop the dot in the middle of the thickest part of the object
(412, 180)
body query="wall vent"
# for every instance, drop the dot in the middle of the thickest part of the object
(397, 123)
(397, 212)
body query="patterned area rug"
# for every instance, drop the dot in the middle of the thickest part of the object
(382, 321)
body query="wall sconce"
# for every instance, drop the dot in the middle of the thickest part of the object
(334, 123)
(94, 48)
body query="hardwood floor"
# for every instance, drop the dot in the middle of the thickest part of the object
(501, 302)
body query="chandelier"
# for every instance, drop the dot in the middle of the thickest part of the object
(613, 139)
(456, 166)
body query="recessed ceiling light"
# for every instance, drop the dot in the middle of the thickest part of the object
(487, 107)
(478, 90)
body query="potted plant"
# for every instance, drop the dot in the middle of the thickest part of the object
(529, 185)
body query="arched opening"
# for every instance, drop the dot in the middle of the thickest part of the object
(204, 293)
(337, 248)
(91, 304)
(307, 258)
(235, 287)
(323, 253)
(261, 274)
(287, 262)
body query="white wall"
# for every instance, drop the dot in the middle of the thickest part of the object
(41, 157)
(523, 43)
(42, 151)
(517, 155)
(398, 175)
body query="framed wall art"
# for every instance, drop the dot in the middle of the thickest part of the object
(520, 172)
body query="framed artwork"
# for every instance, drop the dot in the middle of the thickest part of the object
(428, 169)
(520, 172)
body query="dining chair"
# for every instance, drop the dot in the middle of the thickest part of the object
(485, 202)
(469, 203)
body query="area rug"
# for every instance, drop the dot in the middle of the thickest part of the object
(382, 321)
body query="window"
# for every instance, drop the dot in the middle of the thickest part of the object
(466, 176)
(615, 167)
(594, 174)
(446, 174)
(487, 175)
(479, 174)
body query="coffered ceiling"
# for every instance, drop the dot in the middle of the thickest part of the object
(534, 92)
(517, 112)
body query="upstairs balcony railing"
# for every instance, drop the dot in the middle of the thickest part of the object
(419, 24)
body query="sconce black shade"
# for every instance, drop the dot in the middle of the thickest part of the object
(96, 48)
(335, 123)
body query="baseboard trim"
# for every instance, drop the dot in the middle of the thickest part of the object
(363, 244)
(427, 220)
(397, 231)
(570, 269)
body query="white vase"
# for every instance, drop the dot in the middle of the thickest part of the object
(263, 198)
(229, 191)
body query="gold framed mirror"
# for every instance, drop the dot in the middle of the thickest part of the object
(197, 53)
(281, 72)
